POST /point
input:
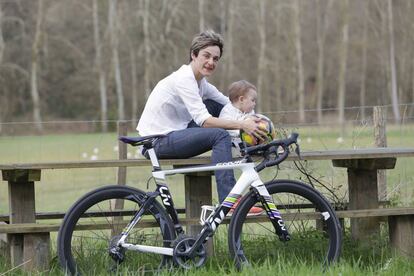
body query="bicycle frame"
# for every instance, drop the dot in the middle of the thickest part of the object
(248, 178)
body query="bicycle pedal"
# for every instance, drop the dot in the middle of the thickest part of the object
(206, 212)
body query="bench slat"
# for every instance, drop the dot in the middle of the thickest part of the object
(382, 212)
(199, 160)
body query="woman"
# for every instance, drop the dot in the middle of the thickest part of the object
(176, 108)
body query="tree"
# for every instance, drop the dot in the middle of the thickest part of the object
(36, 46)
(147, 47)
(362, 93)
(229, 40)
(99, 67)
(113, 32)
(299, 60)
(393, 70)
(321, 26)
(343, 57)
(201, 14)
(262, 63)
(2, 47)
(276, 47)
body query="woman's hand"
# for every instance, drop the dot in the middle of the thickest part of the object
(251, 126)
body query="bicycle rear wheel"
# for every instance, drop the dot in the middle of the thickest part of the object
(90, 225)
(313, 226)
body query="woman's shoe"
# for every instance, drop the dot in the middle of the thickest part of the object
(254, 211)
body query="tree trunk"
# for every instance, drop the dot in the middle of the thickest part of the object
(321, 25)
(201, 14)
(113, 31)
(298, 47)
(223, 24)
(362, 92)
(277, 78)
(263, 99)
(2, 47)
(343, 56)
(147, 49)
(412, 64)
(393, 70)
(223, 18)
(99, 67)
(34, 72)
(229, 41)
(134, 91)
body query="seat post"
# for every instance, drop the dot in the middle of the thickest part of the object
(154, 159)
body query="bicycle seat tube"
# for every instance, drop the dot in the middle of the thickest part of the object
(163, 191)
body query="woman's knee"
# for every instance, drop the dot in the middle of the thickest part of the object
(222, 133)
(222, 136)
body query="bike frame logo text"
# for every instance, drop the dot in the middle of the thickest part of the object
(230, 163)
(165, 196)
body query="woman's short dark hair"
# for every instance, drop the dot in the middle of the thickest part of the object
(204, 40)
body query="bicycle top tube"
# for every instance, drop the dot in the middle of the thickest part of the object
(241, 164)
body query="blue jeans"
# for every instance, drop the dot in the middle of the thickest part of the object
(196, 140)
(190, 142)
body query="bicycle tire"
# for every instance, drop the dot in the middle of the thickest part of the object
(86, 252)
(257, 242)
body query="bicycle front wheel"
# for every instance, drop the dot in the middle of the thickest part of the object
(91, 224)
(313, 226)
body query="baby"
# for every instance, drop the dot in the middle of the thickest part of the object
(242, 95)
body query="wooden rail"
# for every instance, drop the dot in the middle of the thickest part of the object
(373, 153)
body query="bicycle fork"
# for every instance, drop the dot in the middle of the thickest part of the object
(274, 215)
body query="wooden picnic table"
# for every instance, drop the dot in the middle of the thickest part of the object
(362, 166)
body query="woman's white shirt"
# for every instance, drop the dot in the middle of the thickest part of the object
(175, 101)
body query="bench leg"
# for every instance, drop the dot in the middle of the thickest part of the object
(16, 248)
(4, 248)
(197, 193)
(363, 194)
(31, 252)
(401, 231)
(36, 252)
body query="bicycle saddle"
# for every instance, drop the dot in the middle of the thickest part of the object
(144, 140)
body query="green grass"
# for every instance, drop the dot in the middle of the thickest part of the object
(369, 258)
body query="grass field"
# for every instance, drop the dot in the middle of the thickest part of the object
(58, 189)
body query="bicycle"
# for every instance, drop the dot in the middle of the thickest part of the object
(108, 222)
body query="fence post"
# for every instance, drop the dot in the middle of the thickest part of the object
(121, 176)
(122, 152)
(380, 119)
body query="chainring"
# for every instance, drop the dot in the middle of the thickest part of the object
(182, 246)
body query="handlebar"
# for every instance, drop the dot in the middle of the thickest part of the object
(270, 148)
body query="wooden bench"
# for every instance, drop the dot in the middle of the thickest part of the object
(362, 166)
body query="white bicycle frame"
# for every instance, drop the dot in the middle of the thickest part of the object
(248, 177)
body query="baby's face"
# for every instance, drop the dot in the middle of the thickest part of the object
(248, 101)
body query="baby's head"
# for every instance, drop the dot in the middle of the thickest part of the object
(242, 95)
